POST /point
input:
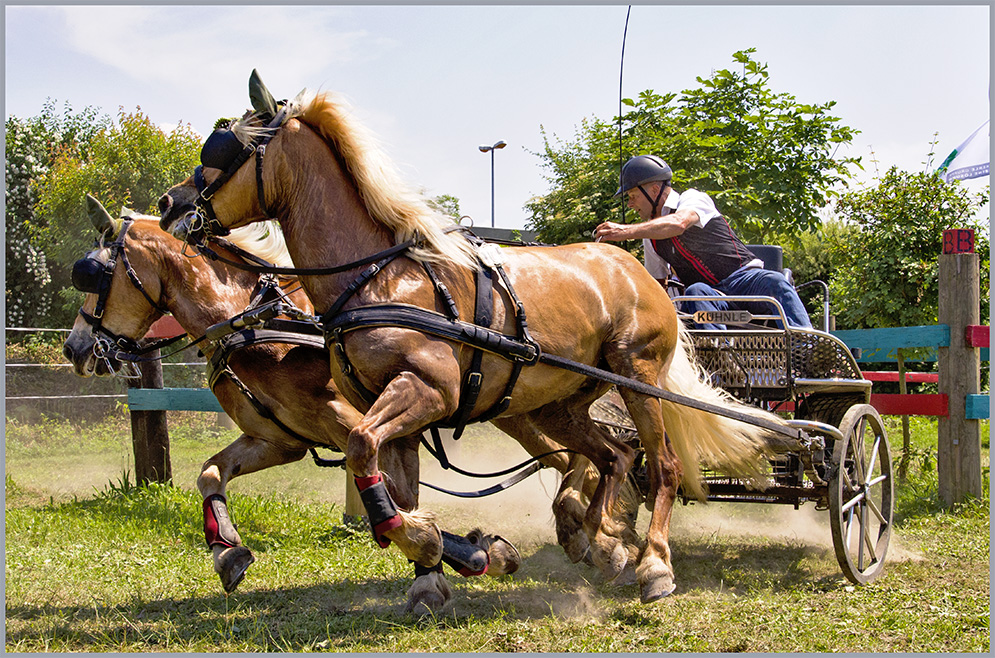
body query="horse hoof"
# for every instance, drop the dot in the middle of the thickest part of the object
(627, 577)
(656, 589)
(428, 594)
(617, 561)
(577, 547)
(504, 557)
(587, 558)
(235, 562)
(426, 604)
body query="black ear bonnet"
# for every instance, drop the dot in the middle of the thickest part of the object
(221, 149)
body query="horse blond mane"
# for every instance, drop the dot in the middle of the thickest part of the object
(262, 239)
(389, 201)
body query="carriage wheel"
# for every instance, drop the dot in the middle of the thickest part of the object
(860, 495)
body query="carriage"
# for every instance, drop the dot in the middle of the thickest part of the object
(845, 467)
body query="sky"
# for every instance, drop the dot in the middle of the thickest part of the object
(435, 82)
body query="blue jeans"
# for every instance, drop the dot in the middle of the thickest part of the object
(752, 281)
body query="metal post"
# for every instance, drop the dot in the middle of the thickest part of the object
(492, 188)
(484, 148)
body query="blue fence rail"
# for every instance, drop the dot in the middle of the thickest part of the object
(876, 346)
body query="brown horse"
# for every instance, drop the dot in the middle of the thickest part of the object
(339, 203)
(292, 381)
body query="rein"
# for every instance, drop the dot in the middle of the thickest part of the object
(302, 271)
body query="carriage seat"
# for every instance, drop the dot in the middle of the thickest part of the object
(773, 258)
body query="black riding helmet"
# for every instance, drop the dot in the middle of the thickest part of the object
(644, 169)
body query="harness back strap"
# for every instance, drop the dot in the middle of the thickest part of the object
(483, 316)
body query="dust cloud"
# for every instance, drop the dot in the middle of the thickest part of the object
(523, 513)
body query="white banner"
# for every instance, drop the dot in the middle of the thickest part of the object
(970, 159)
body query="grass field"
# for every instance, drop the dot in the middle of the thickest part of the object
(95, 564)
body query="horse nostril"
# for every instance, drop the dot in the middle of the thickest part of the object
(66, 352)
(165, 203)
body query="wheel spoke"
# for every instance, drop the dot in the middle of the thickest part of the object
(867, 540)
(878, 480)
(874, 455)
(857, 446)
(853, 501)
(846, 479)
(860, 542)
(849, 527)
(876, 511)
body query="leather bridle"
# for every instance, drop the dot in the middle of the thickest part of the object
(90, 275)
(225, 151)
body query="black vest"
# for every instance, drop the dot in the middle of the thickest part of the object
(708, 254)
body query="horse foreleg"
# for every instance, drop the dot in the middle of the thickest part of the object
(406, 405)
(245, 455)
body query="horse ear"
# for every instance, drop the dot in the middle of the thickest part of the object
(262, 101)
(299, 98)
(99, 217)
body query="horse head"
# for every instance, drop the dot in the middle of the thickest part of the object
(187, 210)
(121, 299)
(316, 169)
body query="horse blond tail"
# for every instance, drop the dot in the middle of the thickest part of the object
(705, 439)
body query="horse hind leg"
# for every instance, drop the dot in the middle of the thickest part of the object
(578, 477)
(569, 510)
(245, 455)
(655, 573)
(580, 481)
(569, 423)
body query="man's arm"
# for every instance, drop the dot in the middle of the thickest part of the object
(660, 228)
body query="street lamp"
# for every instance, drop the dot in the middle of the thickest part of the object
(484, 149)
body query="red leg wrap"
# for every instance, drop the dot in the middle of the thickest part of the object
(218, 528)
(380, 509)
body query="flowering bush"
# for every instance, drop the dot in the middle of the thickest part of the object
(28, 291)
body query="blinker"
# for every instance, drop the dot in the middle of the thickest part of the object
(221, 149)
(88, 275)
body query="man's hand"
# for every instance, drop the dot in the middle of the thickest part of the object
(610, 231)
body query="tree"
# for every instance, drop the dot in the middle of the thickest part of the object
(128, 163)
(30, 146)
(768, 161)
(888, 264)
(447, 204)
(812, 256)
(581, 185)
